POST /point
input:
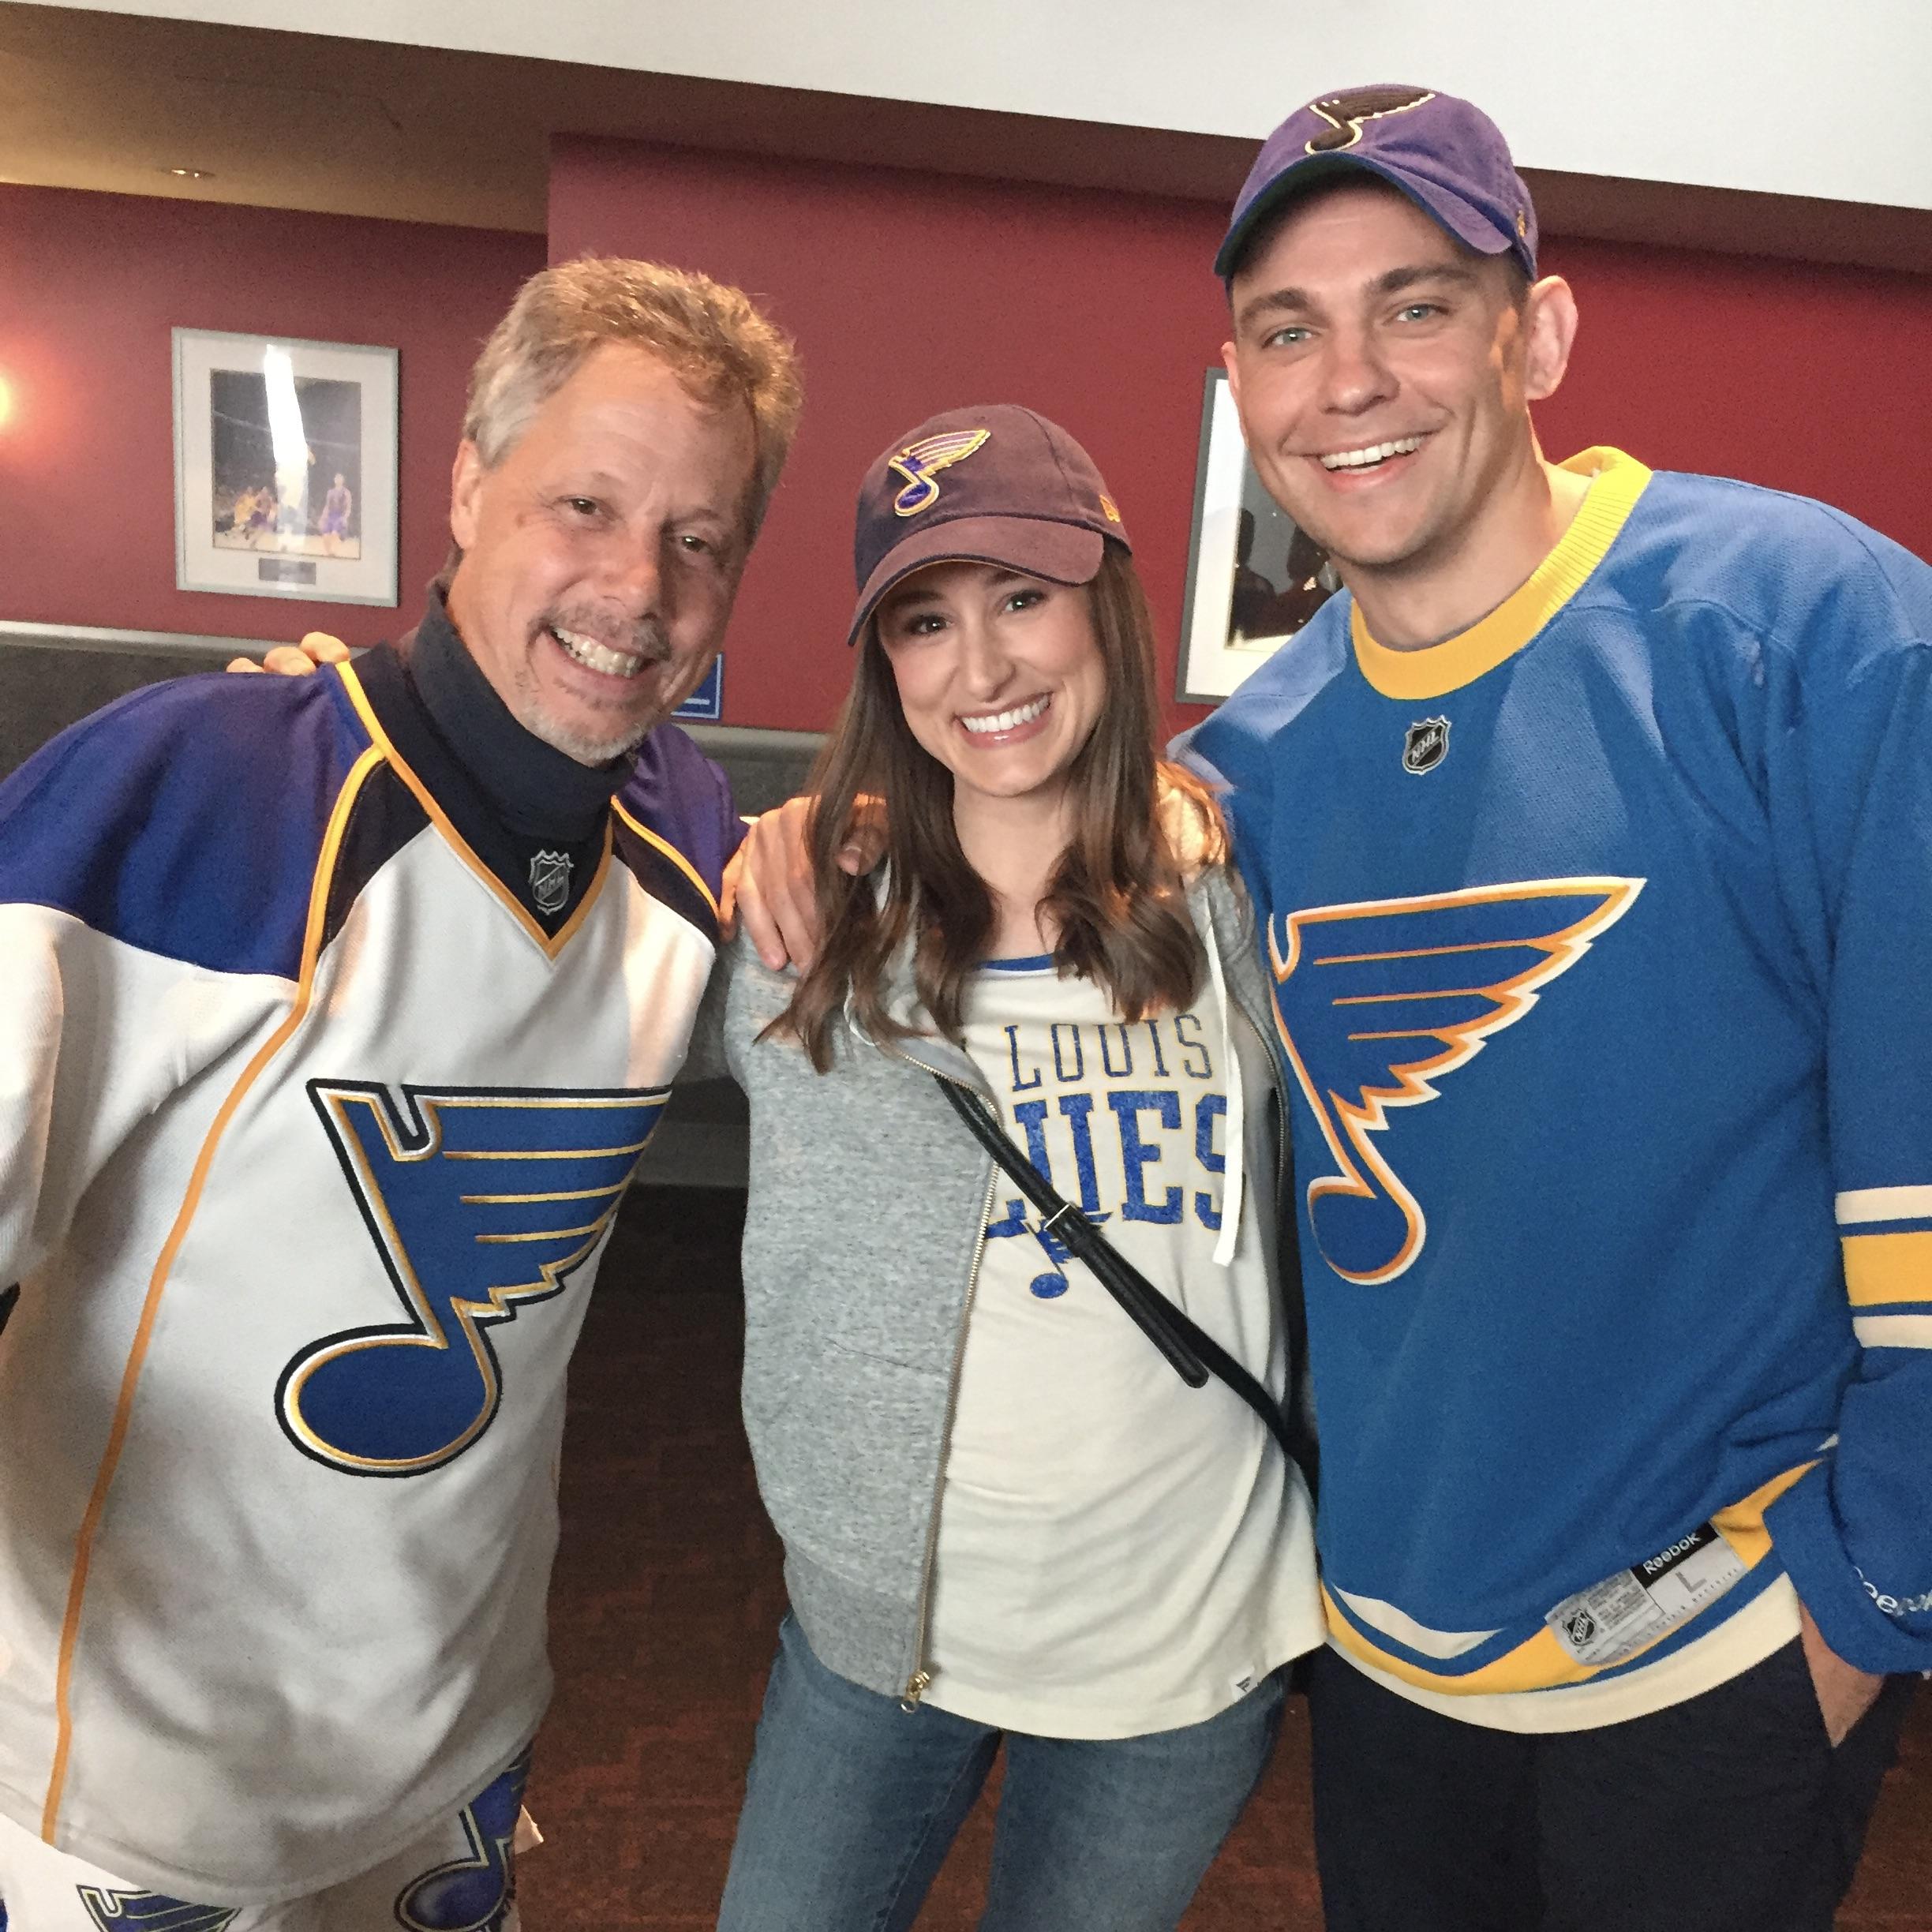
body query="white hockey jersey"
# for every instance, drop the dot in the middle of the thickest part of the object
(312, 1129)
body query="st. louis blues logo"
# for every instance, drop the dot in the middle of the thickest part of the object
(1346, 113)
(472, 1893)
(480, 1203)
(919, 463)
(1375, 1000)
(1051, 1285)
(148, 1912)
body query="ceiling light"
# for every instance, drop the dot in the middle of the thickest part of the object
(190, 173)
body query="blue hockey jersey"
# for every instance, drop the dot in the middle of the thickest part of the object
(312, 1131)
(1596, 937)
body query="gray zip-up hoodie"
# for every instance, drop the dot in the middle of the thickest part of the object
(869, 1202)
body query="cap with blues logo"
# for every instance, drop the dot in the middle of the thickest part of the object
(1447, 156)
(998, 486)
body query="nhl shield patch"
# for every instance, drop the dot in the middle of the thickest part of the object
(1426, 745)
(549, 880)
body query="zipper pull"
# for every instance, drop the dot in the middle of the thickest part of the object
(917, 1685)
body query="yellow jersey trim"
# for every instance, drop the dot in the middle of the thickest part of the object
(676, 857)
(1617, 480)
(157, 1282)
(1883, 1268)
(440, 819)
(1540, 1662)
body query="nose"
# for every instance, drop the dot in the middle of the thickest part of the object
(1355, 376)
(632, 574)
(985, 667)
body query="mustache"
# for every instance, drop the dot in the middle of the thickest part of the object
(647, 637)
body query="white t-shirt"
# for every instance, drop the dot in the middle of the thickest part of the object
(1118, 1553)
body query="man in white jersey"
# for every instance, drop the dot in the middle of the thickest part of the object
(423, 940)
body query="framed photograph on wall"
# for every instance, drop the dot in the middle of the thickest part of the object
(285, 467)
(1253, 578)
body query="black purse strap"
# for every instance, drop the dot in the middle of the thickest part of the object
(1193, 1353)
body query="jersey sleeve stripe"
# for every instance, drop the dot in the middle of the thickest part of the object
(151, 1306)
(1858, 1205)
(1877, 1331)
(676, 858)
(1880, 1268)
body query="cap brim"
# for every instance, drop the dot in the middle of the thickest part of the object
(1467, 223)
(1067, 553)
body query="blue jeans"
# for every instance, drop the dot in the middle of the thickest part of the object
(852, 1803)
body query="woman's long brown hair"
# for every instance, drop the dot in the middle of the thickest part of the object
(1115, 902)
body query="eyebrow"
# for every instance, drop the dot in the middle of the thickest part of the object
(1298, 301)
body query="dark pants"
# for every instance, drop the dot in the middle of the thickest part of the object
(1729, 1813)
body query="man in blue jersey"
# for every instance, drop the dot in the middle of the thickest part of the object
(1589, 832)
(337, 1013)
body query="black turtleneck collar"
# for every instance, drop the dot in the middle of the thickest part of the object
(537, 791)
(536, 817)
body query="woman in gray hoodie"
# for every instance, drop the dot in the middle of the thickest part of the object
(1006, 1520)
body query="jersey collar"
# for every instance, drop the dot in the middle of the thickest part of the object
(1617, 480)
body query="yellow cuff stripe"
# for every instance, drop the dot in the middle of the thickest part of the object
(1619, 481)
(1880, 1268)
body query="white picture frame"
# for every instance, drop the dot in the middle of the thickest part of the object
(1240, 608)
(285, 467)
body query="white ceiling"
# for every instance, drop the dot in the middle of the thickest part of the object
(99, 99)
(1789, 97)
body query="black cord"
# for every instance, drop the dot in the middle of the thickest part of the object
(1192, 1353)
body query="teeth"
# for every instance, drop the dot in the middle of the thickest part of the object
(595, 656)
(1007, 721)
(1375, 453)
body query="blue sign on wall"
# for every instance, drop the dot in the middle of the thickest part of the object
(707, 703)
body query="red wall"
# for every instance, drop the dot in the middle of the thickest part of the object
(911, 292)
(1793, 375)
(908, 292)
(94, 283)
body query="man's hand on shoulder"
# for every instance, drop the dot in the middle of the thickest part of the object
(769, 884)
(302, 660)
(768, 887)
(1844, 1692)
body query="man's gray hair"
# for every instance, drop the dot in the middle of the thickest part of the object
(712, 337)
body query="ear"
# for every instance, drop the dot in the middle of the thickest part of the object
(466, 485)
(1229, 363)
(1549, 331)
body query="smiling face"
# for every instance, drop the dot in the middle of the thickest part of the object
(1383, 373)
(601, 554)
(1000, 677)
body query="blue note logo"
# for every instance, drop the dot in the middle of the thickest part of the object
(920, 463)
(1346, 113)
(472, 1893)
(1375, 1001)
(148, 1912)
(481, 1204)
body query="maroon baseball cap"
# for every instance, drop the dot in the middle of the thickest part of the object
(997, 484)
(1449, 157)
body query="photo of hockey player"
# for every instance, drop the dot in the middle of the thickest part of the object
(287, 455)
(1280, 582)
(1254, 577)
